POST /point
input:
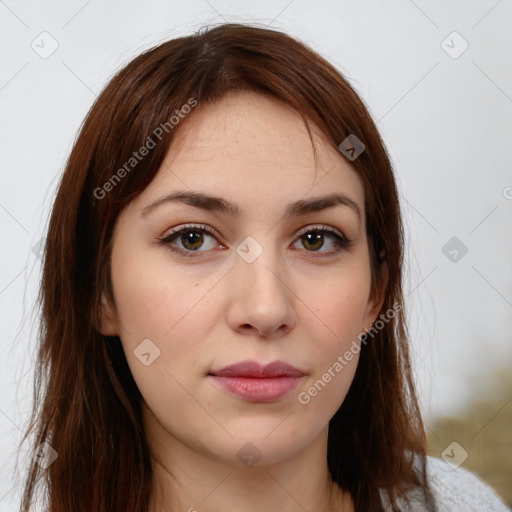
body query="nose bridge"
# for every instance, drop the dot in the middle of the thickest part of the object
(260, 297)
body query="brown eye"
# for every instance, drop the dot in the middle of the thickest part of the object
(194, 238)
(188, 240)
(313, 239)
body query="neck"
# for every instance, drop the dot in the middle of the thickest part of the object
(192, 480)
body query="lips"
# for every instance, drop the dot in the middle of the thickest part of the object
(252, 369)
(254, 382)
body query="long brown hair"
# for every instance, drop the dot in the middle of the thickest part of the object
(87, 406)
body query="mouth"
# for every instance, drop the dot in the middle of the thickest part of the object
(254, 382)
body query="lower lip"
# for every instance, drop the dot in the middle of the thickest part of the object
(258, 390)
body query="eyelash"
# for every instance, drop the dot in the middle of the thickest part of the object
(341, 242)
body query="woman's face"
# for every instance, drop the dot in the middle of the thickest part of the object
(258, 285)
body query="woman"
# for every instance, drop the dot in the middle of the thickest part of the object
(223, 324)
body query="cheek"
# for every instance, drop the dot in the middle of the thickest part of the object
(340, 303)
(154, 298)
(170, 308)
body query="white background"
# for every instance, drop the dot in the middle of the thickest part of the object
(447, 123)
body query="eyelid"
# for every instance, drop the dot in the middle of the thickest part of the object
(320, 227)
(191, 227)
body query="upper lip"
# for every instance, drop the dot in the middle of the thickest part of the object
(256, 370)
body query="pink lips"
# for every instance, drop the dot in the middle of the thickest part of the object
(256, 383)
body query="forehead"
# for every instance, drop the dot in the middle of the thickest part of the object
(247, 123)
(256, 147)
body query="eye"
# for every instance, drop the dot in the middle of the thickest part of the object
(189, 239)
(313, 238)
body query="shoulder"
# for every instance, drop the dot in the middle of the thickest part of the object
(459, 489)
(454, 490)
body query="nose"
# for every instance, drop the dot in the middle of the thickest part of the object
(261, 299)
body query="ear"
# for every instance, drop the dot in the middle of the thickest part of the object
(108, 322)
(375, 303)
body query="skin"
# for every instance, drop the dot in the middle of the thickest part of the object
(294, 303)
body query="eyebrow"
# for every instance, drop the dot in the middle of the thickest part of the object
(217, 204)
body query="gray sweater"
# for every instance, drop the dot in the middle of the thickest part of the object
(454, 490)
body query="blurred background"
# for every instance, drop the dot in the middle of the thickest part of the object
(437, 79)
